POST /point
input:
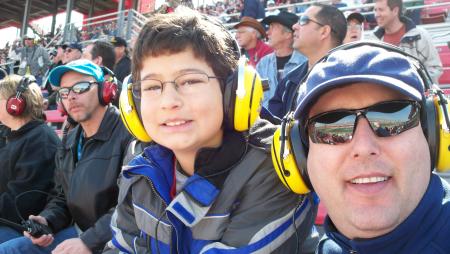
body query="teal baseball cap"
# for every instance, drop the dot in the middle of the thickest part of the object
(82, 66)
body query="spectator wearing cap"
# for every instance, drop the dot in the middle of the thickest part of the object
(321, 28)
(123, 61)
(276, 65)
(378, 181)
(355, 26)
(34, 59)
(72, 52)
(87, 167)
(249, 35)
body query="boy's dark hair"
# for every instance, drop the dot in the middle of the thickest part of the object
(335, 19)
(175, 32)
(105, 50)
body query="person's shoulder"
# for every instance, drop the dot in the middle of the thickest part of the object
(261, 133)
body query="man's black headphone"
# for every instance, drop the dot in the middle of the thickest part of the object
(16, 104)
(289, 153)
(242, 95)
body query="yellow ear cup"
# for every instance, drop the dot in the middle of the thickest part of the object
(285, 164)
(129, 114)
(443, 157)
(249, 95)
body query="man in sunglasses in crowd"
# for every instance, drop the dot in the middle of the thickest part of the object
(360, 113)
(321, 28)
(87, 167)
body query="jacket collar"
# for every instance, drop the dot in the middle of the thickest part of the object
(157, 162)
(22, 130)
(409, 234)
(104, 132)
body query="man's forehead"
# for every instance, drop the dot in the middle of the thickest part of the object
(69, 78)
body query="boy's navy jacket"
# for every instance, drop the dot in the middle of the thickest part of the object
(425, 231)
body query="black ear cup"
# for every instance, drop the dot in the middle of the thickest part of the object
(430, 127)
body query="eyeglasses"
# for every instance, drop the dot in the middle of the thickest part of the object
(78, 88)
(386, 119)
(354, 27)
(185, 84)
(304, 20)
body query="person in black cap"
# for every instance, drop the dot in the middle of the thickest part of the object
(276, 65)
(355, 22)
(123, 61)
(72, 52)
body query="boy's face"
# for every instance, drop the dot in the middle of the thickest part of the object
(184, 118)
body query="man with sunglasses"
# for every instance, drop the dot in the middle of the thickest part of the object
(87, 167)
(367, 155)
(321, 28)
(72, 52)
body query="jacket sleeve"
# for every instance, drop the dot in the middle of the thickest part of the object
(56, 212)
(263, 222)
(96, 236)
(430, 55)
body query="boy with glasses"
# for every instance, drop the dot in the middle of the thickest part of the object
(203, 186)
(87, 167)
(362, 128)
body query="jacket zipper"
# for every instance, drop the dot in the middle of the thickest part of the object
(164, 202)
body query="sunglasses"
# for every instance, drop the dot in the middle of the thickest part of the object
(304, 20)
(78, 88)
(387, 119)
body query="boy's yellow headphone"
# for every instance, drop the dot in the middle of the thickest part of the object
(289, 153)
(243, 94)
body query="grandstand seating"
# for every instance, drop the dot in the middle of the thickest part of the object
(444, 54)
(436, 14)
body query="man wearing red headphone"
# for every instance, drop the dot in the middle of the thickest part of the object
(87, 166)
(27, 153)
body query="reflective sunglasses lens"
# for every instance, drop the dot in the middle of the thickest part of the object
(393, 118)
(81, 88)
(332, 128)
(63, 92)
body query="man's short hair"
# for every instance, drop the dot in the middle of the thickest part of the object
(34, 106)
(333, 17)
(186, 29)
(105, 50)
(394, 3)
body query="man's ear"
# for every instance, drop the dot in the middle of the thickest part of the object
(326, 31)
(98, 61)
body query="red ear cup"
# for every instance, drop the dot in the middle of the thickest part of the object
(15, 105)
(108, 92)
